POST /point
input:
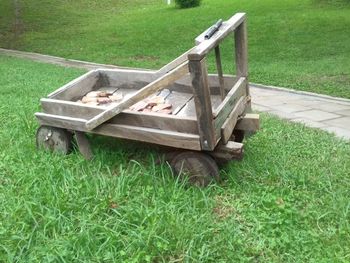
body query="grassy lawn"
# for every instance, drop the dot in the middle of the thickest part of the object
(302, 44)
(287, 201)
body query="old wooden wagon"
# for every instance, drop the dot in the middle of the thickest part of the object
(210, 112)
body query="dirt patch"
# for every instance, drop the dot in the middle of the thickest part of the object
(223, 209)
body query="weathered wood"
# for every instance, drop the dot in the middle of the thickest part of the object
(76, 88)
(132, 77)
(249, 122)
(227, 152)
(227, 106)
(202, 101)
(227, 27)
(241, 47)
(83, 145)
(220, 73)
(173, 64)
(148, 120)
(54, 139)
(188, 110)
(230, 123)
(143, 93)
(156, 136)
(178, 100)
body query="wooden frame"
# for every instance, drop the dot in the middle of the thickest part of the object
(221, 123)
(217, 104)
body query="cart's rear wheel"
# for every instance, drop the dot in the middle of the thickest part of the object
(238, 136)
(54, 139)
(198, 168)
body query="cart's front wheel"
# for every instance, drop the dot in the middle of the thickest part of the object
(198, 168)
(54, 139)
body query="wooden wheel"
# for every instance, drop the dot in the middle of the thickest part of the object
(237, 136)
(54, 139)
(198, 168)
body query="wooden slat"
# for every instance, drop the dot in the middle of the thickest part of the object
(229, 151)
(227, 27)
(178, 100)
(147, 120)
(241, 47)
(173, 64)
(202, 101)
(225, 108)
(83, 145)
(143, 93)
(230, 123)
(77, 87)
(220, 73)
(188, 110)
(250, 122)
(161, 137)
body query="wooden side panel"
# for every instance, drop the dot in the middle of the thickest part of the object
(231, 121)
(75, 89)
(167, 138)
(224, 109)
(204, 113)
(132, 118)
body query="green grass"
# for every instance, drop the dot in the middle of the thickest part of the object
(302, 44)
(287, 201)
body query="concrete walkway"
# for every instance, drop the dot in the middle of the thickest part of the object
(317, 111)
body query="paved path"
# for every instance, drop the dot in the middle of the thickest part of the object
(318, 111)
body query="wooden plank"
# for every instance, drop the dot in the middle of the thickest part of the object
(241, 48)
(148, 120)
(77, 87)
(83, 145)
(230, 123)
(128, 77)
(229, 151)
(226, 107)
(178, 100)
(250, 122)
(188, 110)
(227, 27)
(143, 93)
(156, 136)
(220, 73)
(202, 101)
(173, 64)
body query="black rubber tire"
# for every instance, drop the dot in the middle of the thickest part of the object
(197, 168)
(54, 139)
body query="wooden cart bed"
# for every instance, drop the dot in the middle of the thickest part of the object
(206, 108)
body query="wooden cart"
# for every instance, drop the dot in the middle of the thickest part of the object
(210, 114)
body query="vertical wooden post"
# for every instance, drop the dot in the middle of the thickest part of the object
(199, 75)
(220, 73)
(241, 45)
